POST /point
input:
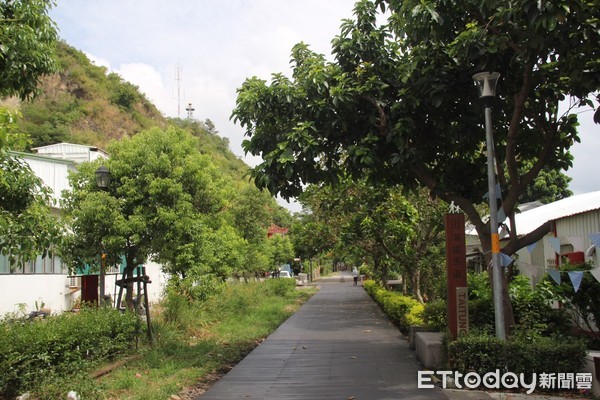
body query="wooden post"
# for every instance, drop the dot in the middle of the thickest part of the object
(456, 270)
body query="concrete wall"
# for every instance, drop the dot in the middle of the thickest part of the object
(22, 291)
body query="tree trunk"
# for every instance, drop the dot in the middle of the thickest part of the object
(417, 284)
(129, 289)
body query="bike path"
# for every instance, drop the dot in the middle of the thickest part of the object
(339, 345)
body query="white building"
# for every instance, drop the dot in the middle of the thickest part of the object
(46, 282)
(77, 153)
(575, 219)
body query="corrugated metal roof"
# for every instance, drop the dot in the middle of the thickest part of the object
(528, 221)
(69, 151)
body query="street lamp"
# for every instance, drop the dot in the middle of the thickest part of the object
(102, 181)
(102, 177)
(486, 84)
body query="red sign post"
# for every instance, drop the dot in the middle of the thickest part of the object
(456, 271)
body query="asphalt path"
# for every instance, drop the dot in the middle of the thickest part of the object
(339, 345)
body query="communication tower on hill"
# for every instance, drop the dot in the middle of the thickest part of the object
(190, 111)
(178, 79)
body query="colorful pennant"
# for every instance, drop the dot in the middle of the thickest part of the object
(555, 243)
(576, 278)
(595, 238)
(555, 275)
(505, 260)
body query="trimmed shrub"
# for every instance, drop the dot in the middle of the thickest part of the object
(404, 311)
(483, 353)
(435, 315)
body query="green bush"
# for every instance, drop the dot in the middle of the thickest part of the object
(369, 286)
(483, 353)
(435, 315)
(34, 351)
(532, 308)
(280, 287)
(404, 311)
(583, 304)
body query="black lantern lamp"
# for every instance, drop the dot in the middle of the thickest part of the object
(102, 177)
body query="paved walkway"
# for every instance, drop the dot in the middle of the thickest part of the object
(339, 345)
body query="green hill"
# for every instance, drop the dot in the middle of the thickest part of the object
(86, 104)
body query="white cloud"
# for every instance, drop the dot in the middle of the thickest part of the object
(149, 80)
(100, 62)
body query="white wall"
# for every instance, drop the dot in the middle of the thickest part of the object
(54, 173)
(52, 290)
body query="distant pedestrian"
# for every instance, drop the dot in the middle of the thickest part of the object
(355, 275)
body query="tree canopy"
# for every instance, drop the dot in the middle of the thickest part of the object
(398, 103)
(27, 226)
(27, 42)
(27, 46)
(162, 203)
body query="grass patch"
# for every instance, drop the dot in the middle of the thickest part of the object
(196, 342)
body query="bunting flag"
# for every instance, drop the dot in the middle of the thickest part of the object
(531, 247)
(505, 260)
(595, 238)
(501, 216)
(596, 273)
(533, 272)
(576, 278)
(555, 243)
(555, 275)
(498, 193)
(577, 242)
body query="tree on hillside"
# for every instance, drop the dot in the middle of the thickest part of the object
(398, 104)
(162, 203)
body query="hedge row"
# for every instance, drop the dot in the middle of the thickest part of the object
(33, 351)
(404, 311)
(485, 353)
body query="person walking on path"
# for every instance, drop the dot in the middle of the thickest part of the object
(355, 275)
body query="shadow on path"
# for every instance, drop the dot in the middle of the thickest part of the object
(339, 345)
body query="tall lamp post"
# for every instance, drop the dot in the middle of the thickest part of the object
(102, 181)
(486, 84)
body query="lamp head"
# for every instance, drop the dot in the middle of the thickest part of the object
(486, 83)
(102, 177)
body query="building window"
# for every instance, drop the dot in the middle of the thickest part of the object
(4, 267)
(41, 265)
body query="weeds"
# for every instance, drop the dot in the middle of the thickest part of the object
(196, 341)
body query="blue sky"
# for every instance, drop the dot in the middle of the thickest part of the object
(216, 45)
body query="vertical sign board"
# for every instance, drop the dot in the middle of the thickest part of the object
(456, 272)
(462, 310)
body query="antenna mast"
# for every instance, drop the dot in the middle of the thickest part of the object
(178, 79)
